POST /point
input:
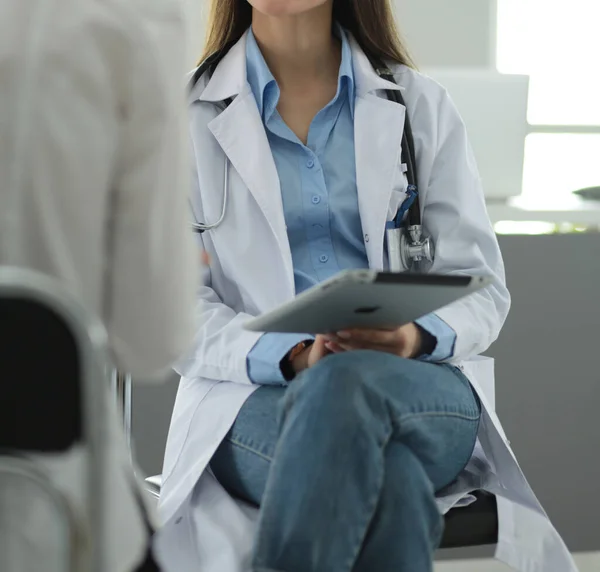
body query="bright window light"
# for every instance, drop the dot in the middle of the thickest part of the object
(557, 164)
(565, 98)
(524, 227)
(557, 43)
(513, 55)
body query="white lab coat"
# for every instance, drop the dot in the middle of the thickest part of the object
(94, 186)
(251, 272)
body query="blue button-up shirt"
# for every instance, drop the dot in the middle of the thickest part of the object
(320, 201)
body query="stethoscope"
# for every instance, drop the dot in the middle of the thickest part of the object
(408, 246)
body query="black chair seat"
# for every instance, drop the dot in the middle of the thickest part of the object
(474, 525)
(40, 365)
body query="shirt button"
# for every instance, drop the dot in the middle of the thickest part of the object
(366, 238)
(323, 258)
(316, 200)
(310, 163)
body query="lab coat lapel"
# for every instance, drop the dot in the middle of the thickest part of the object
(378, 127)
(240, 132)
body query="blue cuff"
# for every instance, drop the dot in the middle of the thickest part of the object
(444, 335)
(264, 358)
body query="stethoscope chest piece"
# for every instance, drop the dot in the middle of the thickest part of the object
(409, 249)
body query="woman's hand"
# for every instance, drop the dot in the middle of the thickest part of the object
(310, 355)
(406, 342)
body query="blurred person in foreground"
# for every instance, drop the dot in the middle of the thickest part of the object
(94, 190)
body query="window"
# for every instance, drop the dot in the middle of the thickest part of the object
(557, 163)
(556, 43)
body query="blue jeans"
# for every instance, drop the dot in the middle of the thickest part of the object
(345, 463)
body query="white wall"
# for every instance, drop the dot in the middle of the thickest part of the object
(453, 33)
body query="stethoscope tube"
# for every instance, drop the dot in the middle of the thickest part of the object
(209, 65)
(199, 227)
(408, 150)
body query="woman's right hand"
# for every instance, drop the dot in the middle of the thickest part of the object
(310, 355)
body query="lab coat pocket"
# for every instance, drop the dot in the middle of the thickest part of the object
(396, 200)
(398, 195)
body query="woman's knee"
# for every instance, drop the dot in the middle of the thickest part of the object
(405, 475)
(342, 375)
(331, 375)
(339, 384)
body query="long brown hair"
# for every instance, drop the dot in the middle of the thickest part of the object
(371, 22)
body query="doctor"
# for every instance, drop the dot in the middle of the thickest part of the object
(352, 444)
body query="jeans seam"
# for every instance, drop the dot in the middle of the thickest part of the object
(372, 507)
(261, 512)
(250, 450)
(416, 416)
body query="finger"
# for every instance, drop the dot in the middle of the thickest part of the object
(380, 337)
(334, 348)
(320, 340)
(319, 347)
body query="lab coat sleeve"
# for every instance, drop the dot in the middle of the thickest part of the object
(153, 263)
(455, 215)
(221, 345)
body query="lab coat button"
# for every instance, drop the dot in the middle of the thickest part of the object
(366, 238)
(323, 258)
(316, 200)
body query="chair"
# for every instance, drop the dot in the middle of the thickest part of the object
(53, 365)
(473, 525)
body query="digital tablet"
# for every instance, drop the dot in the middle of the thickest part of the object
(366, 298)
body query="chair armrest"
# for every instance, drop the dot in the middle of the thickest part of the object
(121, 387)
(153, 485)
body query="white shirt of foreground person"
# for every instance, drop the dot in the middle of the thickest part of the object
(94, 188)
(204, 528)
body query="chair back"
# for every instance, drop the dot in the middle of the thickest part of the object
(54, 373)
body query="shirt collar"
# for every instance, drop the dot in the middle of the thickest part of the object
(346, 74)
(263, 84)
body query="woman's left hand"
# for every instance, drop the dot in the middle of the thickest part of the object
(406, 341)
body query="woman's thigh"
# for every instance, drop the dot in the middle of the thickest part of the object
(242, 461)
(433, 408)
